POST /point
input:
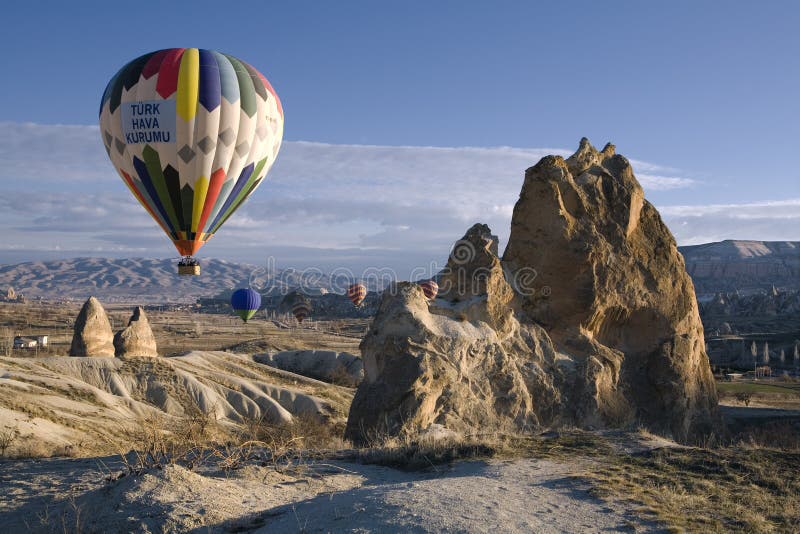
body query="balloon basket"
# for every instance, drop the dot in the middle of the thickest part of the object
(188, 266)
(189, 270)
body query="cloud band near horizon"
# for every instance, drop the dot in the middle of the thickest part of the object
(323, 204)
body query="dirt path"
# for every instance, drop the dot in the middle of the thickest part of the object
(524, 495)
(514, 496)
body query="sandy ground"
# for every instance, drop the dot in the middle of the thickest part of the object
(524, 495)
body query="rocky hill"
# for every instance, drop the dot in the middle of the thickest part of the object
(747, 266)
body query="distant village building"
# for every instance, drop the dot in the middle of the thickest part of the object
(30, 342)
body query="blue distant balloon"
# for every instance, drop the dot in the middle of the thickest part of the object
(245, 302)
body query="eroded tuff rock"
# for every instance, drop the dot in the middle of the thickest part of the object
(474, 275)
(137, 338)
(428, 365)
(590, 319)
(612, 291)
(92, 335)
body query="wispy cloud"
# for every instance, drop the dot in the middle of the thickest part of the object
(776, 220)
(59, 192)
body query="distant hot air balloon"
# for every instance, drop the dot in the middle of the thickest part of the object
(301, 310)
(245, 303)
(192, 133)
(357, 293)
(430, 288)
(298, 303)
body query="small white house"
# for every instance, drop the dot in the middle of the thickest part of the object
(25, 342)
(30, 342)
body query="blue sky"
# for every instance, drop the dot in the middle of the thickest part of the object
(703, 94)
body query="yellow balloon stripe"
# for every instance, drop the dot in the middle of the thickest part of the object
(200, 191)
(188, 83)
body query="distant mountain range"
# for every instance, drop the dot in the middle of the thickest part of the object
(746, 266)
(142, 280)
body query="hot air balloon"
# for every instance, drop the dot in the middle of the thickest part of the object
(430, 288)
(357, 293)
(297, 303)
(301, 310)
(192, 133)
(245, 303)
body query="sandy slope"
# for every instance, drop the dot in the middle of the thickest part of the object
(497, 496)
(72, 403)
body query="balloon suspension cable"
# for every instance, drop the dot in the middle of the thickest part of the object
(188, 261)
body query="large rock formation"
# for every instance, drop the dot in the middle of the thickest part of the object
(613, 293)
(433, 365)
(590, 319)
(92, 335)
(463, 361)
(137, 338)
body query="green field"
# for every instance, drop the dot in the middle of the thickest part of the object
(791, 389)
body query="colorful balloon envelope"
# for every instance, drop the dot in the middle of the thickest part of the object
(192, 133)
(357, 293)
(430, 288)
(245, 303)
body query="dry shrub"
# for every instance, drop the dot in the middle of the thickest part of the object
(744, 397)
(426, 450)
(157, 441)
(340, 377)
(420, 451)
(198, 440)
(30, 448)
(8, 436)
(6, 341)
(281, 445)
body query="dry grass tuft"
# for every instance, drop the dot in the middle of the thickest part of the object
(198, 440)
(415, 454)
(729, 489)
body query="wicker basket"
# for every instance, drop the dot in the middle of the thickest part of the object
(189, 270)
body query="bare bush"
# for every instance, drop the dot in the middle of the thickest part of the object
(281, 445)
(156, 442)
(7, 437)
(6, 341)
(744, 397)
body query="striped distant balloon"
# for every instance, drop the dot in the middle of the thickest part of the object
(430, 288)
(357, 293)
(245, 303)
(192, 133)
(301, 310)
